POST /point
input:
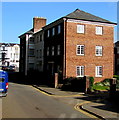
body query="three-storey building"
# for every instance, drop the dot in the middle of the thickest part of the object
(76, 45)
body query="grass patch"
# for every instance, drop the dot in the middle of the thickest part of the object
(103, 85)
(98, 87)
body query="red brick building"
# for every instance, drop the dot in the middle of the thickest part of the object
(76, 45)
(79, 44)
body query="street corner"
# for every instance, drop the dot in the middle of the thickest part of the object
(56, 92)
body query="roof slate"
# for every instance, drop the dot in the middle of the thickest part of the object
(79, 14)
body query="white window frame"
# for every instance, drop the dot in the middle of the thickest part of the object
(59, 29)
(53, 50)
(99, 30)
(79, 49)
(80, 28)
(80, 71)
(98, 50)
(99, 71)
(53, 31)
(48, 51)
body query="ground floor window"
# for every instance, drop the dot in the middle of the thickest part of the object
(99, 71)
(80, 71)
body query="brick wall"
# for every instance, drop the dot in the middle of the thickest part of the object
(89, 60)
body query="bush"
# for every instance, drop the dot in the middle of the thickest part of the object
(117, 77)
(73, 84)
(106, 82)
(103, 85)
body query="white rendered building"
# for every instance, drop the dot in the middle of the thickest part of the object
(9, 54)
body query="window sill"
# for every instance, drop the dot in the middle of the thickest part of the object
(80, 33)
(99, 76)
(80, 54)
(98, 34)
(79, 76)
(98, 55)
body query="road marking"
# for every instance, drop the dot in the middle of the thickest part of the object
(76, 107)
(66, 95)
(41, 91)
(55, 95)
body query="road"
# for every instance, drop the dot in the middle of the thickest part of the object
(23, 101)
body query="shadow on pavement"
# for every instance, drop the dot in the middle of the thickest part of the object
(107, 103)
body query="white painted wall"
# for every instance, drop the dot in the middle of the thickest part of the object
(12, 54)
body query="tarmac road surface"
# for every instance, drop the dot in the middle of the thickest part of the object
(24, 101)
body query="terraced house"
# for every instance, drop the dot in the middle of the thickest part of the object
(79, 44)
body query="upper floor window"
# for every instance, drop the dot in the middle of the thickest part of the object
(48, 33)
(31, 40)
(58, 50)
(3, 47)
(59, 29)
(98, 50)
(53, 31)
(41, 38)
(53, 50)
(98, 71)
(80, 71)
(80, 50)
(117, 61)
(117, 50)
(36, 53)
(37, 39)
(31, 52)
(40, 53)
(80, 28)
(98, 30)
(47, 51)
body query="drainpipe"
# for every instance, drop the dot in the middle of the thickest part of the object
(26, 62)
(64, 57)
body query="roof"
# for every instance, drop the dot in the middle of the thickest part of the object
(8, 44)
(31, 31)
(81, 15)
(117, 43)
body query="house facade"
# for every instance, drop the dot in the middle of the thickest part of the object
(9, 54)
(29, 51)
(116, 65)
(78, 44)
(85, 44)
(39, 50)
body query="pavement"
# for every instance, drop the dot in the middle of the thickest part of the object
(96, 104)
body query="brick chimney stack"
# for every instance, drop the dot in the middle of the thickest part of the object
(38, 23)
